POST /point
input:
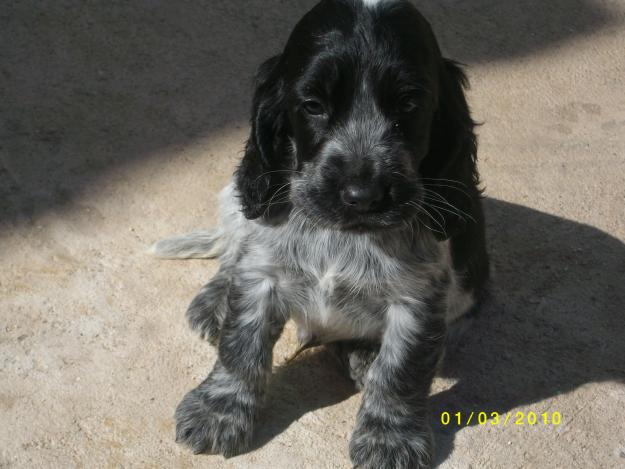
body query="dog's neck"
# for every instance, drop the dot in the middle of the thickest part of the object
(302, 233)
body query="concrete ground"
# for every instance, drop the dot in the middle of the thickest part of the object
(121, 120)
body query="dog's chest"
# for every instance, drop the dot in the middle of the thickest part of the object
(338, 292)
(327, 307)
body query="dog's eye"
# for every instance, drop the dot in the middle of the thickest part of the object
(407, 106)
(314, 108)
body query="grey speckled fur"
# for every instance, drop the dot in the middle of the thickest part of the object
(396, 288)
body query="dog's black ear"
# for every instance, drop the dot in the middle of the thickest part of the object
(263, 175)
(450, 169)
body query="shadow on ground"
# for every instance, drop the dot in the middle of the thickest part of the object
(312, 381)
(87, 87)
(555, 321)
(484, 31)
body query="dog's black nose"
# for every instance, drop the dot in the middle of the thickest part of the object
(362, 198)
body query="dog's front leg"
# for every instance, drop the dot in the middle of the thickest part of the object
(218, 416)
(392, 431)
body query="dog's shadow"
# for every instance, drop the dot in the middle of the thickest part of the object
(313, 380)
(555, 319)
(553, 322)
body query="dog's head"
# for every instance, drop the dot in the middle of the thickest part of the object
(360, 124)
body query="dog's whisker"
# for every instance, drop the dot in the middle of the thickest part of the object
(431, 229)
(440, 200)
(438, 196)
(444, 180)
(465, 193)
(422, 209)
(277, 171)
(436, 209)
(273, 196)
(403, 176)
(283, 199)
(432, 204)
(444, 201)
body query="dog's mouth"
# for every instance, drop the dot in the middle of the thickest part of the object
(389, 220)
(394, 213)
(368, 224)
(323, 207)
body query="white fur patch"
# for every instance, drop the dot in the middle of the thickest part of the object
(401, 330)
(374, 3)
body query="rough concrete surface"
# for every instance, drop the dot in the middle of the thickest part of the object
(120, 121)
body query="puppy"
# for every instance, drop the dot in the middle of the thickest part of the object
(356, 212)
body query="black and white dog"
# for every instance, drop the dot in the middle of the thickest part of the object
(355, 212)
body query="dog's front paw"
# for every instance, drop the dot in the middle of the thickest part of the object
(211, 421)
(382, 444)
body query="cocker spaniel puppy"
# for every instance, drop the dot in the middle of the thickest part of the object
(355, 212)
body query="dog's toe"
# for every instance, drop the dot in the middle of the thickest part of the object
(216, 425)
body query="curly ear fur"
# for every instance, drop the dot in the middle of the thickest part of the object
(453, 161)
(262, 177)
(452, 158)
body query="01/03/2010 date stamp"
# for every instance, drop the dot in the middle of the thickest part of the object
(465, 419)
